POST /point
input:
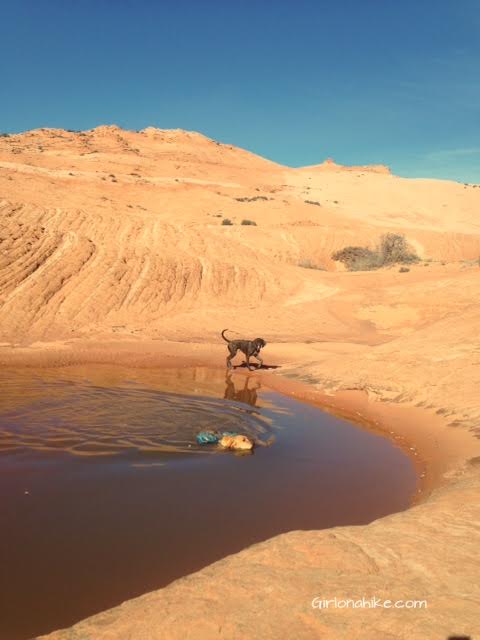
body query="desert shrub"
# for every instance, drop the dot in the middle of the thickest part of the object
(308, 264)
(313, 202)
(253, 199)
(249, 222)
(358, 258)
(4, 135)
(392, 249)
(227, 222)
(403, 270)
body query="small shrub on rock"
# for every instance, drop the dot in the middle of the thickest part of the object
(392, 249)
(358, 258)
(308, 264)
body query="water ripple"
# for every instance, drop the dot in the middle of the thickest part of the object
(88, 420)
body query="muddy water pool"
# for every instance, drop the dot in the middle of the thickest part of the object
(105, 494)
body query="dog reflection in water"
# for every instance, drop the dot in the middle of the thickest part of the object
(246, 393)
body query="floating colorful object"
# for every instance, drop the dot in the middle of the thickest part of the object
(211, 437)
(207, 437)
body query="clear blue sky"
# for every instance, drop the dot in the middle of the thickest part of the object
(363, 81)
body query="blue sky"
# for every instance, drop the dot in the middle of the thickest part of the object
(362, 81)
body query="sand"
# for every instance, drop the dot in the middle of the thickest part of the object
(112, 250)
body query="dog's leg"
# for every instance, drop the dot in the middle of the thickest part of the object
(248, 362)
(233, 353)
(257, 356)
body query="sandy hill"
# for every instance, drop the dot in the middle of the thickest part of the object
(119, 231)
(330, 165)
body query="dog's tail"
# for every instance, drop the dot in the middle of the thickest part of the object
(223, 336)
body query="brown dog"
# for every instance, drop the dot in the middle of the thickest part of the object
(251, 348)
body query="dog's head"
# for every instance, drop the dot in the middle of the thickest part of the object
(238, 443)
(260, 343)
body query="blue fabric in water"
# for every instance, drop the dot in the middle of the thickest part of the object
(208, 437)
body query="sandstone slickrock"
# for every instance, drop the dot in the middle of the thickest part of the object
(111, 245)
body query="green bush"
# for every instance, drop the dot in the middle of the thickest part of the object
(227, 222)
(249, 222)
